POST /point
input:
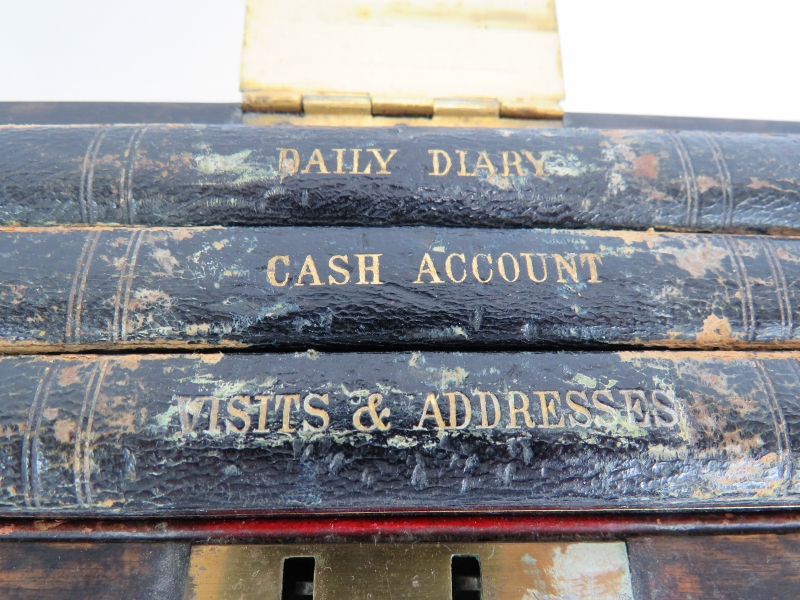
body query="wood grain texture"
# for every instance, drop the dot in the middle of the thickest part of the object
(93, 571)
(236, 175)
(747, 567)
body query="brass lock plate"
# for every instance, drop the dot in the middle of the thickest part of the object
(444, 571)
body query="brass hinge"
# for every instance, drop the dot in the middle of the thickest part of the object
(364, 110)
(372, 62)
(363, 104)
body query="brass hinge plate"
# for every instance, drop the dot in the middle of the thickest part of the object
(447, 61)
(507, 571)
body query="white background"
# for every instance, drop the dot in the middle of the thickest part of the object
(702, 58)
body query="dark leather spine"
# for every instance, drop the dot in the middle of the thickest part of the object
(183, 175)
(323, 433)
(298, 288)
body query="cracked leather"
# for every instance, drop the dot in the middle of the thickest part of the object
(298, 288)
(182, 175)
(280, 433)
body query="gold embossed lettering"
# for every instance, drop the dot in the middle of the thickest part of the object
(606, 408)
(427, 267)
(339, 269)
(475, 267)
(501, 267)
(383, 163)
(374, 267)
(483, 162)
(339, 160)
(581, 409)
(516, 163)
(665, 403)
(272, 265)
(238, 413)
(189, 410)
(436, 414)
(263, 410)
(529, 264)
(549, 408)
(448, 267)
(437, 166)
(538, 164)
(356, 154)
(452, 397)
(288, 400)
(593, 260)
(514, 410)
(635, 405)
(314, 411)
(462, 161)
(288, 162)
(309, 269)
(568, 265)
(371, 410)
(316, 160)
(213, 418)
(484, 415)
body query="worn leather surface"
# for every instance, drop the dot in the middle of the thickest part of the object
(200, 434)
(299, 288)
(231, 175)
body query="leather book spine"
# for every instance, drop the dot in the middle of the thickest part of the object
(159, 435)
(73, 289)
(182, 175)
